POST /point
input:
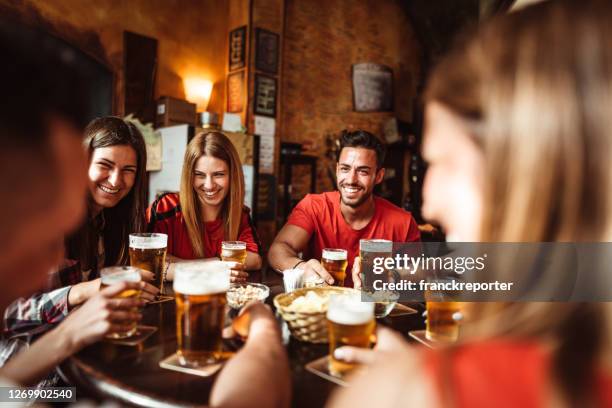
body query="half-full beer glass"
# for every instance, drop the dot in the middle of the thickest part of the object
(370, 249)
(148, 252)
(233, 251)
(117, 274)
(335, 261)
(443, 316)
(351, 323)
(200, 293)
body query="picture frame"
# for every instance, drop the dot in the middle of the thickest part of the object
(265, 95)
(237, 48)
(266, 51)
(235, 92)
(372, 87)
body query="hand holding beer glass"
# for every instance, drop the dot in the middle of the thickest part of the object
(335, 261)
(235, 251)
(351, 323)
(148, 252)
(117, 274)
(200, 293)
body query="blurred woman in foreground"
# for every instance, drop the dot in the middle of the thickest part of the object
(518, 139)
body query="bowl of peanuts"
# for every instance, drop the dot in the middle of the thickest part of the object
(239, 294)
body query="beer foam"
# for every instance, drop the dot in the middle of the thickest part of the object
(148, 241)
(233, 245)
(202, 279)
(376, 245)
(335, 255)
(349, 310)
(117, 274)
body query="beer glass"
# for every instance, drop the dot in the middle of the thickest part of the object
(148, 252)
(200, 293)
(443, 315)
(117, 274)
(233, 251)
(335, 261)
(369, 249)
(350, 323)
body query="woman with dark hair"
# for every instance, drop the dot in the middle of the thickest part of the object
(115, 208)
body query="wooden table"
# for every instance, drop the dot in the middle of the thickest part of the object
(131, 375)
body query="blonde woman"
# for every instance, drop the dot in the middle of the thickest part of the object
(518, 140)
(209, 208)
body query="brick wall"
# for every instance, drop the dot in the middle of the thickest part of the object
(322, 40)
(192, 36)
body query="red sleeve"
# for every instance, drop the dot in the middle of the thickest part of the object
(160, 213)
(248, 233)
(413, 235)
(301, 215)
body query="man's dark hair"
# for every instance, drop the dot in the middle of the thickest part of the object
(363, 139)
(39, 84)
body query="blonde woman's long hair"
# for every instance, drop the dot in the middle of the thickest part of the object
(534, 88)
(214, 144)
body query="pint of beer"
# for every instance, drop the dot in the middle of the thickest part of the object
(351, 323)
(200, 312)
(442, 322)
(369, 249)
(335, 261)
(148, 252)
(233, 251)
(117, 274)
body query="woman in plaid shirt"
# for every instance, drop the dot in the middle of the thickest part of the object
(115, 208)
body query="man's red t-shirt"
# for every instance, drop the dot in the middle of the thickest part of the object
(165, 216)
(320, 216)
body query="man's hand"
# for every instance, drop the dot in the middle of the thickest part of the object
(314, 268)
(388, 341)
(101, 315)
(356, 273)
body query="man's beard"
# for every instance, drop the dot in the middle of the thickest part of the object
(365, 197)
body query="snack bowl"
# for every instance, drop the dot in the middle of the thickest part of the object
(308, 326)
(239, 294)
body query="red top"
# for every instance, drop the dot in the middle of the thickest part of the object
(320, 216)
(500, 374)
(165, 216)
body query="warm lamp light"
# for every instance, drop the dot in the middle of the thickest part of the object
(198, 90)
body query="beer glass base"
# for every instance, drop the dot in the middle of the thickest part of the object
(441, 337)
(122, 335)
(198, 361)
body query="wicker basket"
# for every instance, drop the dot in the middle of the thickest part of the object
(309, 327)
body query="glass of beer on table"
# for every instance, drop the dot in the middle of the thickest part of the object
(350, 323)
(148, 252)
(200, 293)
(117, 274)
(370, 249)
(335, 261)
(443, 317)
(233, 251)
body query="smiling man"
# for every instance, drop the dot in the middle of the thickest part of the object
(339, 219)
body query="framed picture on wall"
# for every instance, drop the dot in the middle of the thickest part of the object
(266, 51)
(235, 92)
(265, 95)
(372, 87)
(237, 48)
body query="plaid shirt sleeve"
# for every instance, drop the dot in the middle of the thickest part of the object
(43, 308)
